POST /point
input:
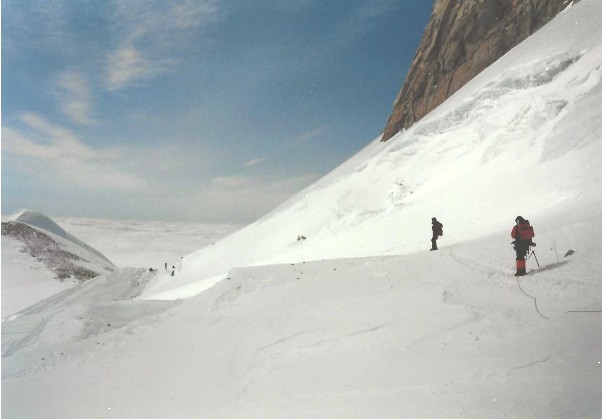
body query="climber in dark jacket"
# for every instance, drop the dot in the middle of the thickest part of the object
(437, 231)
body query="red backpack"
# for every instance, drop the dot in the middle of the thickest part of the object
(523, 231)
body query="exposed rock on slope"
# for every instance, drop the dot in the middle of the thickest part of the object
(63, 254)
(43, 223)
(461, 39)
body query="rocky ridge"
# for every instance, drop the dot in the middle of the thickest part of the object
(55, 256)
(461, 39)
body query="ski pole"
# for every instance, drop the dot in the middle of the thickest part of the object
(533, 253)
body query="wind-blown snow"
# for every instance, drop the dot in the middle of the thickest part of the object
(360, 319)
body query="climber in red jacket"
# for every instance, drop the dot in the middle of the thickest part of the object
(522, 233)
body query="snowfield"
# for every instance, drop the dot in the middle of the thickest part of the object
(359, 319)
(25, 280)
(148, 244)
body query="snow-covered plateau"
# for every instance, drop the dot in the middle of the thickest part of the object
(332, 305)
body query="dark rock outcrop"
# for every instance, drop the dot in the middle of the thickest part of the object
(42, 247)
(462, 38)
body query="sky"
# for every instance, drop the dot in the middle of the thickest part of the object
(207, 110)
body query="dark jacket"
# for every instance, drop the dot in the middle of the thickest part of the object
(437, 228)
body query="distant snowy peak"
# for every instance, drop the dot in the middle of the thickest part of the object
(42, 222)
(63, 254)
(37, 219)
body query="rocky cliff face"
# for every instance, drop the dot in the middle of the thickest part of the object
(462, 38)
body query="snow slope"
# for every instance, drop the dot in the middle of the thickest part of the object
(360, 320)
(25, 280)
(430, 335)
(42, 222)
(38, 259)
(523, 138)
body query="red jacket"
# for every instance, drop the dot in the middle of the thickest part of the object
(523, 231)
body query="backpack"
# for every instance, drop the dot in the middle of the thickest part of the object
(524, 231)
(439, 229)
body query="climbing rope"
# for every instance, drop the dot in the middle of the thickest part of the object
(521, 289)
(548, 318)
(583, 311)
(531, 297)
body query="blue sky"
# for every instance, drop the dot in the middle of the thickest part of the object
(204, 110)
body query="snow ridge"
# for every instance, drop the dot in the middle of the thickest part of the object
(40, 221)
(40, 259)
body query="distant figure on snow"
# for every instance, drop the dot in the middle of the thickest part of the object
(522, 233)
(437, 231)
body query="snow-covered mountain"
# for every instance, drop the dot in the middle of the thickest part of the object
(359, 319)
(523, 138)
(33, 242)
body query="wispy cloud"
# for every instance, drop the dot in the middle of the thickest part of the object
(75, 98)
(255, 162)
(147, 31)
(127, 65)
(55, 153)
